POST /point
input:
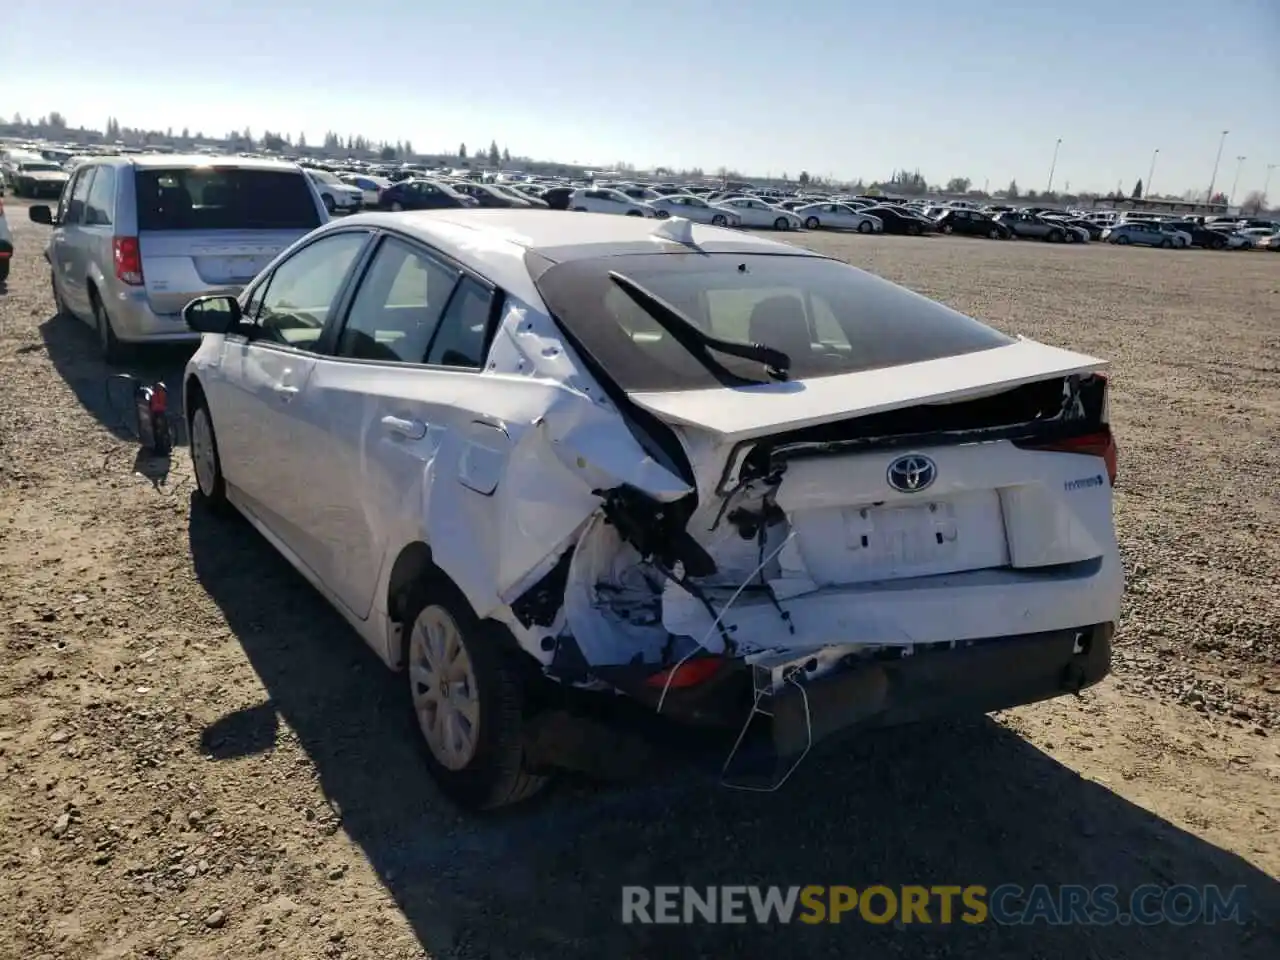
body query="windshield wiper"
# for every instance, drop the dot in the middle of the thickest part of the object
(696, 340)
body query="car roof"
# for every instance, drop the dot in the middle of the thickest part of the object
(170, 160)
(493, 242)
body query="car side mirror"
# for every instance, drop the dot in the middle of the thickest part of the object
(40, 213)
(212, 314)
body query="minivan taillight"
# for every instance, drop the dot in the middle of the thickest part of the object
(128, 257)
(1101, 443)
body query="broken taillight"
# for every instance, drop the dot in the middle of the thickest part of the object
(687, 674)
(1100, 443)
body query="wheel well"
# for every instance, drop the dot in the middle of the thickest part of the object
(414, 565)
(93, 290)
(193, 395)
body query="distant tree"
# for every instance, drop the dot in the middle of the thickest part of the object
(57, 121)
(248, 137)
(506, 155)
(186, 134)
(803, 179)
(1255, 202)
(272, 141)
(169, 133)
(958, 185)
(408, 149)
(17, 120)
(1012, 191)
(387, 153)
(302, 141)
(462, 151)
(495, 155)
(1032, 195)
(1137, 190)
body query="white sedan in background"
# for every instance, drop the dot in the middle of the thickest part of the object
(754, 212)
(605, 200)
(695, 209)
(838, 216)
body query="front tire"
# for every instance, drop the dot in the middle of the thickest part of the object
(467, 700)
(211, 487)
(994, 234)
(397, 206)
(719, 220)
(1166, 244)
(780, 224)
(865, 227)
(812, 223)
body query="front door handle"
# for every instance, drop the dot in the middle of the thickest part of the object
(413, 429)
(285, 392)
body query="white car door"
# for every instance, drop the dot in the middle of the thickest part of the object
(257, 390)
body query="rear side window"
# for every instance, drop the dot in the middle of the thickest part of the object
(828, 317)
(102, 198)
(460, 341)
(224, 198)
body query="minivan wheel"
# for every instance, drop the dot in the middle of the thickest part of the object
(467, 700)
(113, 351)
(210, 485)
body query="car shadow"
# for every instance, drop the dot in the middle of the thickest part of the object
(104, 390)
(966, 803)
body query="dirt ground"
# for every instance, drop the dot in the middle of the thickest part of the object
(198, 759)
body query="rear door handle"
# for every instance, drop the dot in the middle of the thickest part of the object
(285, 392)
(413, 429)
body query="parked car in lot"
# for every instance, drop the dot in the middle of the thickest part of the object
(337, 197)
(971, 223)
(695, 209)
(6, 245)
(1202, 236)
(837, 216)
(901, 220)
(370, 187)
(525, 454)
(1033, 227)
(486, 195)
(423, 194)
(754, 212)
(1144, 233)
(37, 178)
(608, 200)
(136, 237)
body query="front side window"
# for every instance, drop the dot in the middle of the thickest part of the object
(397, 308)
(301, 291)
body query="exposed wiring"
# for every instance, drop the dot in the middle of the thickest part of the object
(755, 710)
(702, 645)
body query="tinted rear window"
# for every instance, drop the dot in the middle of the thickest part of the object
(830, 318)
(224, 198)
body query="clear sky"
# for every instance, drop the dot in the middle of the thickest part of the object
(974, 88)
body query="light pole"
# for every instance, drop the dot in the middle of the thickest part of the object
(1214, 178)
(1232, 195)
(1146, 190)
(1053, 165)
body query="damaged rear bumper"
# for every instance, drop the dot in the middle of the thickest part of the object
(983, 676)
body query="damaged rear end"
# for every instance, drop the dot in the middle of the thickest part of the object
(907, 514)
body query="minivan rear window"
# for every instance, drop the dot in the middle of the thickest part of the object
(224, 198)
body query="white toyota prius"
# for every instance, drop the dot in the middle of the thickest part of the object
(743, 485)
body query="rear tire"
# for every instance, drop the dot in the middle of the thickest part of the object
(113, 350)
(812, 223)
(457, 665)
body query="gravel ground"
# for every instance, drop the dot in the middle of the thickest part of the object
(200, 760)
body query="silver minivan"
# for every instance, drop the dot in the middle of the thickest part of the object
(136, 238)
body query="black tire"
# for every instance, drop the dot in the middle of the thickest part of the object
(329, 204)
(634, 213)
(812, 223)
(865, 227)
(781, 224)
(4, 270)
(1216, 244)
(946, 228)
(664, 215)
(495, 776)
(1123, 241)
(113, 350)
(913, 230)
(211, 491)
(579, 209)
(1166, 244)
(994, 234)
(719, 220)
